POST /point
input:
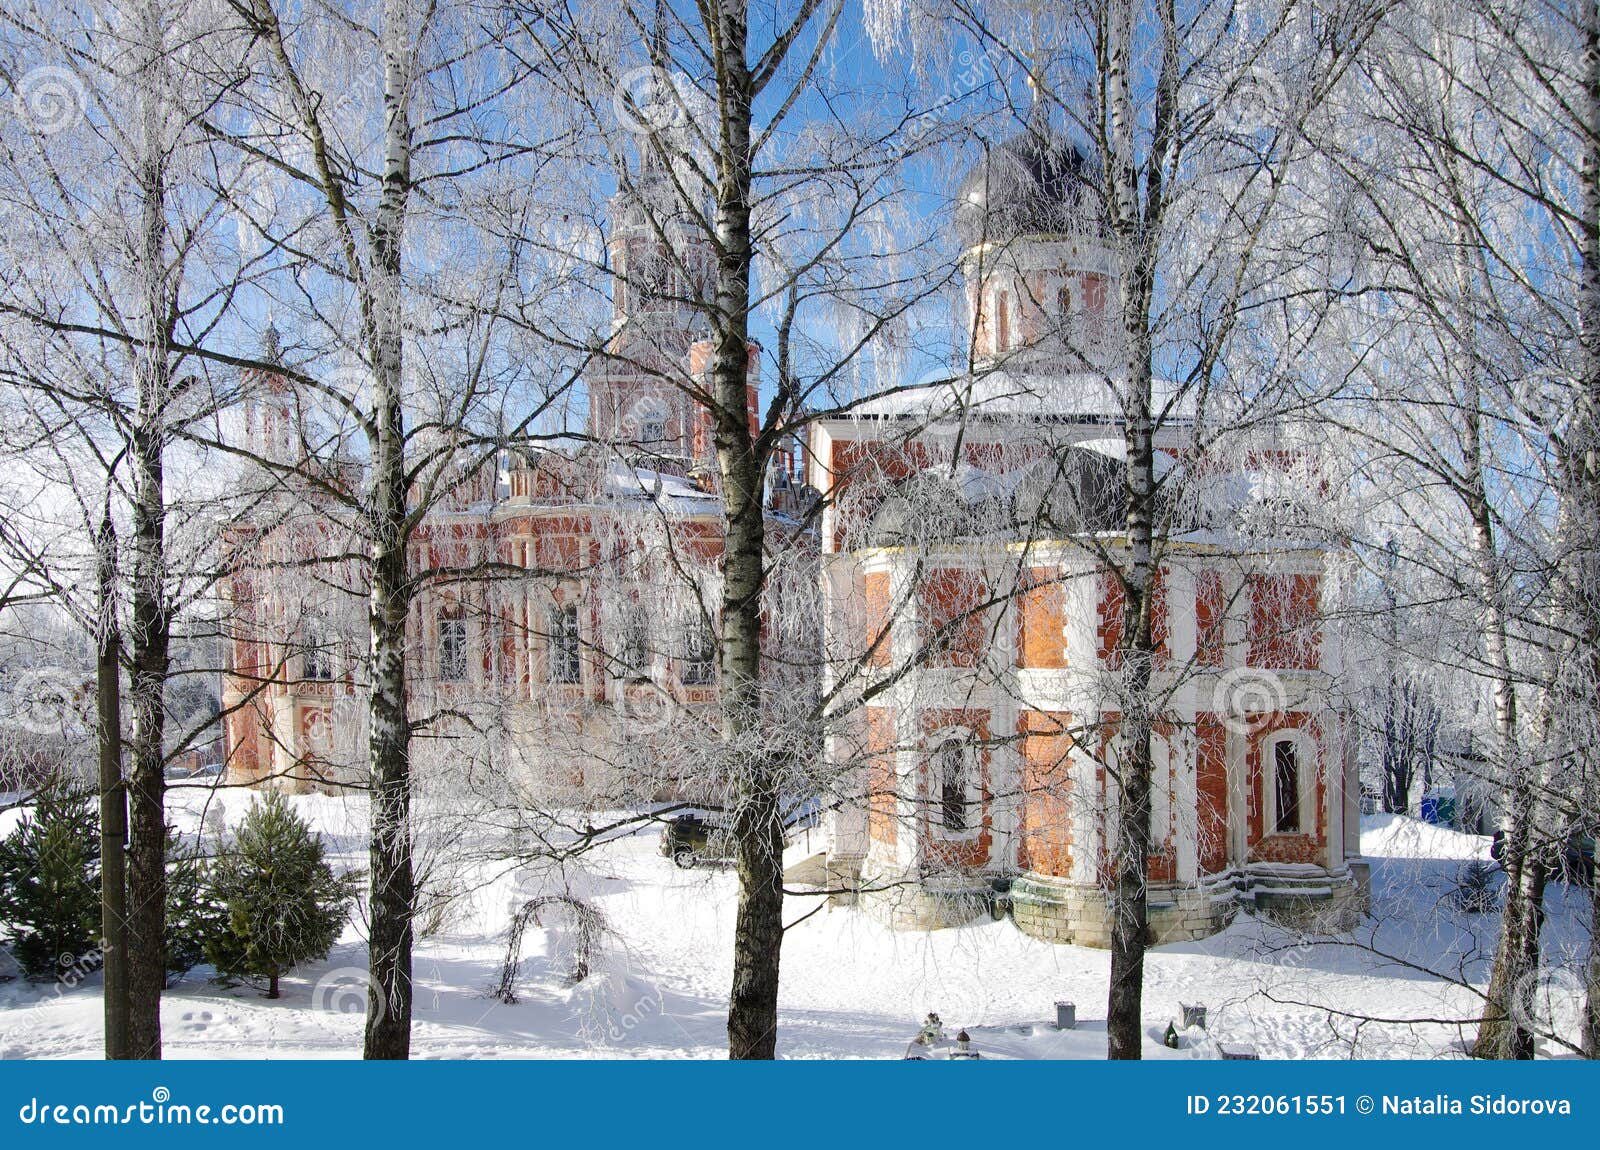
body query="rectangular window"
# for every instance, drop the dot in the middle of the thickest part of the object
(1286, 785)
(452, 647)
(700, 656)
(566, 647)
(1285, 621)
(951, 763)
(634, 656)
(316, 652)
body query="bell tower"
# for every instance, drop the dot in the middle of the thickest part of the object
(661, 265)
(1038, 265)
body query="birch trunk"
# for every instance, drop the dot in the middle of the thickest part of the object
(1134, 224)
(1130, 891)
(1495, 1038)
(393, 899)
(756, 819)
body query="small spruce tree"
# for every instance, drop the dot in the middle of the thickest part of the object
(284, 904)
(194, 915)
(50, 885)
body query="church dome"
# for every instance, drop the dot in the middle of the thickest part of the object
(1034, 183)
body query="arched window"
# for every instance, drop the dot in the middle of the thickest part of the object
(647, 422)
(951, 777)
(1286, 778)
(1002, 322)
(1064, 301)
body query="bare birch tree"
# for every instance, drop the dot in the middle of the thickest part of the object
(114, 287)
(393, 179)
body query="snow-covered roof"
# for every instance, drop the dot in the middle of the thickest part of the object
(671, 493)
(1007, 392)
(1077, 490)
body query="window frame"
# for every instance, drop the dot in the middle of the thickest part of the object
(648, 421)
(699, 655)
(938, 790)
(566, 627)
(1305, 810)
(317, 663)
(452, 665)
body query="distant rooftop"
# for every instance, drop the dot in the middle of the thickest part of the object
(1005, 393)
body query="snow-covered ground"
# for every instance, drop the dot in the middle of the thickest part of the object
(851, 987)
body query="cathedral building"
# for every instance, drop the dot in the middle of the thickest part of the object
(569, 589)
(986, 556)
(968, 547)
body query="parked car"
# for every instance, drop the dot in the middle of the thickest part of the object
(179, 772)
(1573, 863)
(696, 837)
(691, 839)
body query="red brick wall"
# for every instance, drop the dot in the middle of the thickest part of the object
(1211, 821)
(875, 585)
(1110, 618)
(700, 362)
(246, 747)
(1210, 610)
(1212, 797)
(882, 794)
(878, 465)
(1284, 621)
(1094, 292)
(1041, 621)
(1160, 627)
(1046, 838)
(951, 623)
(1111, 607)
